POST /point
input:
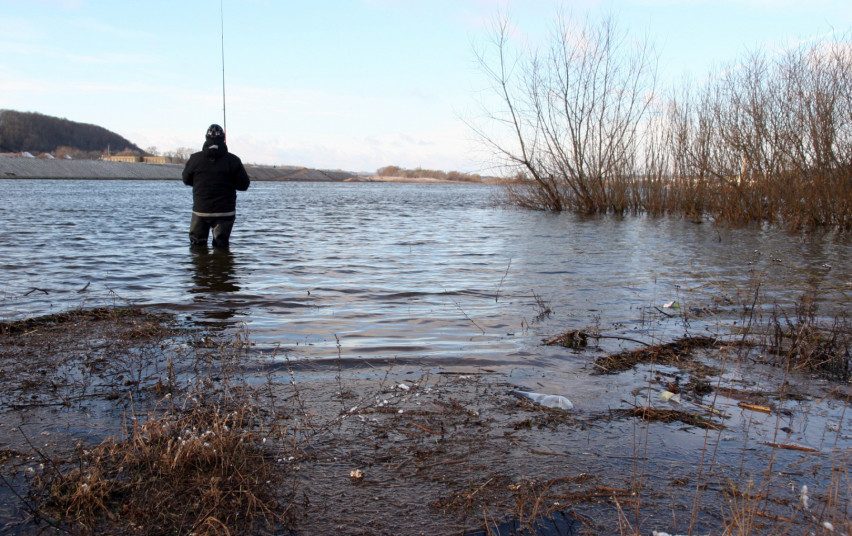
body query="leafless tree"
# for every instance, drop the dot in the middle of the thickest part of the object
(768, 139)
(179, 155)
(571, 115)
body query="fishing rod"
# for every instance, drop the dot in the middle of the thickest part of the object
(222, 35)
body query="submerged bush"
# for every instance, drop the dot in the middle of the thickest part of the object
(767, 140)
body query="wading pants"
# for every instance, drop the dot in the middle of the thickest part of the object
(199, 228)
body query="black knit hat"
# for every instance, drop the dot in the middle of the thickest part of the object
(215, 132)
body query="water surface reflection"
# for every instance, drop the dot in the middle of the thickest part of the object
(393, 270)
(214, 281)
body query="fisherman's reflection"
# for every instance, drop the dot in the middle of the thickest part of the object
(213, 282)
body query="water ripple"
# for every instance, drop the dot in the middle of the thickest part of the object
(394, 270)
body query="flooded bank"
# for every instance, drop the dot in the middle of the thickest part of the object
(101, 406)
(693, 409)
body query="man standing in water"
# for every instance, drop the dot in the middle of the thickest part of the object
(215, 176)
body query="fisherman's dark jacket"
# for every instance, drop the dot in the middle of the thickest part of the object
(215, 176)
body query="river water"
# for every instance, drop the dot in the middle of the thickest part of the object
(394, 270)
(441, 275)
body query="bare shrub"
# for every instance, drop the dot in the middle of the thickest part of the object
(573, 112)
(804, 343)
(766, 140)
(769, 140)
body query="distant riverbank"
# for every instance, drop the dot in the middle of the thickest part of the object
(33, 168)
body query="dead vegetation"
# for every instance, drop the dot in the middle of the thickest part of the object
(201, 472)
(539, 506)
(766, 140)
(136, 322)
(85, 355)
(678, 353)
(800, 342)
(650, 414)
(223, 442)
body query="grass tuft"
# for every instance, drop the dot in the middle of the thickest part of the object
(203, 472)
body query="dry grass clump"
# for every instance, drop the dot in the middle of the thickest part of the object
(669, 415)
(574, 339)
(529, 506)
(203, 472)
(749, 509)
(675, 353)
(803, 344)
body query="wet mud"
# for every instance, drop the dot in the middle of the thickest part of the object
(123, 420)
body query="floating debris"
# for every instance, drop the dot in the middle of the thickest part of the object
(570, 339)
(548, 401)
(668, 396)
(669, 415)
(755, 407)
(677, 353)
(792, 446)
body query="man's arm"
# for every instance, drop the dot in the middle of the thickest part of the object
(188, 172)
(241, 178)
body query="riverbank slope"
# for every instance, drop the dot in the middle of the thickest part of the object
(180, 427)
(34, 168)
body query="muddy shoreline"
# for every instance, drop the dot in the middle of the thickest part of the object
(401, 448)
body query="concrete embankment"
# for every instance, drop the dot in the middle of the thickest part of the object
(32, 168)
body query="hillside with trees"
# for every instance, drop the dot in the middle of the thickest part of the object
(35, 132)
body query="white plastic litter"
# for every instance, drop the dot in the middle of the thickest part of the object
(668, 396)
(548, 401)
(404, 387)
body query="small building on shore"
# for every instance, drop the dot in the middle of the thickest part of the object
(129, 158)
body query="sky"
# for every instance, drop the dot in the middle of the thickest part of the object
(338, 84)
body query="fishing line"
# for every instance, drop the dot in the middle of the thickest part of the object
(222, 35)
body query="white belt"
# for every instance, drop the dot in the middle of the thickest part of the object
(215, 214)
